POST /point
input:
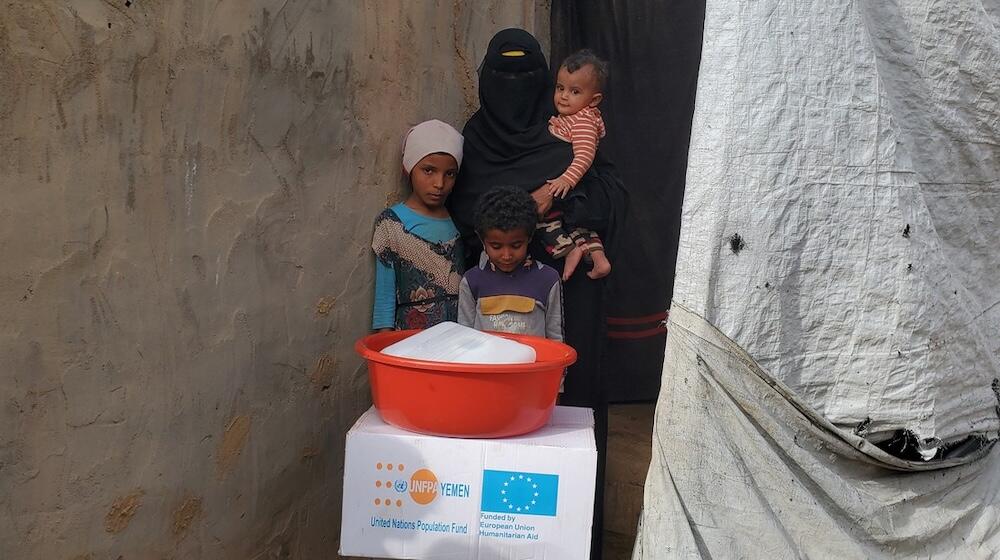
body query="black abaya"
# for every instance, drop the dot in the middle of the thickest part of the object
(507, 142)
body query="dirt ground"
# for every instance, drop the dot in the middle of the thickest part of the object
(630, 429)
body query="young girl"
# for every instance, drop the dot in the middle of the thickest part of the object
(578, 92)
(418, 256)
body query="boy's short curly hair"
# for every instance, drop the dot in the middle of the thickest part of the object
(506, 209)
(583, 57)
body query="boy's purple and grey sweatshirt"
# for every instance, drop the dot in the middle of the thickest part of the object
(525, 301)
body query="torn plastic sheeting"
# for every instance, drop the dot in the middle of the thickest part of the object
(837, 271)
(772, 479)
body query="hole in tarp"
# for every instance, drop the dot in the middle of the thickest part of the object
(905, 445)
(906, 231)
(862, 428)
(736, 244)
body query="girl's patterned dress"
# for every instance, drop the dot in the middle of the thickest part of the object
(424, 273)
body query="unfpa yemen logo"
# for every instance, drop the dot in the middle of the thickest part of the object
(386, 485)
(423, 486)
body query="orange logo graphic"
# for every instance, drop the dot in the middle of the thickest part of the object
(423, 487)
(388, 484)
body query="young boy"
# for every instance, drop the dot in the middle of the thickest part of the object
(578, 92)
(508, 291)
(418, 256)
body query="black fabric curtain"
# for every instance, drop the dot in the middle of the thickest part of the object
(654, 49)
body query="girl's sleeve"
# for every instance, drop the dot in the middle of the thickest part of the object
(554, 313)
(384, 311)
(384, 308)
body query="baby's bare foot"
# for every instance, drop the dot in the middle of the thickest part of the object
(572, 260)
(602, 266)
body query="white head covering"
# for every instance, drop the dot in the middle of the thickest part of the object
(431, 137)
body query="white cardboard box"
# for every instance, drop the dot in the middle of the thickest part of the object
(530, 497)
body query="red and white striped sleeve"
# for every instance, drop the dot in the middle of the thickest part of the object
(584, 138)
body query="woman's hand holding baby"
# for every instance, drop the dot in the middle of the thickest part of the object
(543, 198)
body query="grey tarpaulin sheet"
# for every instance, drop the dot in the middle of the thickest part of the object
(838, 274)
(743, 469)
(853, 148)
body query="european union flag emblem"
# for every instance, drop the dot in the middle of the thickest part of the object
(520, 493)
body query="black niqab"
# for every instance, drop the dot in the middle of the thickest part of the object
(514, 88)
(507, 141)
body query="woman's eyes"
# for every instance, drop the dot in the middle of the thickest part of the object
(451, 173)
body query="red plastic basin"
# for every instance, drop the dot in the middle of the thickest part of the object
(465, 400)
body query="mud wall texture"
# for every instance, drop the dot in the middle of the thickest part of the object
(187, 190)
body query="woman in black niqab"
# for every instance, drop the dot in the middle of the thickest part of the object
(507, 142)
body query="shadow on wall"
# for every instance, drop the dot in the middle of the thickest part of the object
(191, 188)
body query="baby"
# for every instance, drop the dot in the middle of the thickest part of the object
(578, 92)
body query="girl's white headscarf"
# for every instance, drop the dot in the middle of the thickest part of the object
(431, 137)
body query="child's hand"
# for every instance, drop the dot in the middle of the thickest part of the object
(559, 187)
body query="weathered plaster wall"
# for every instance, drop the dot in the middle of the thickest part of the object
(186, 196)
